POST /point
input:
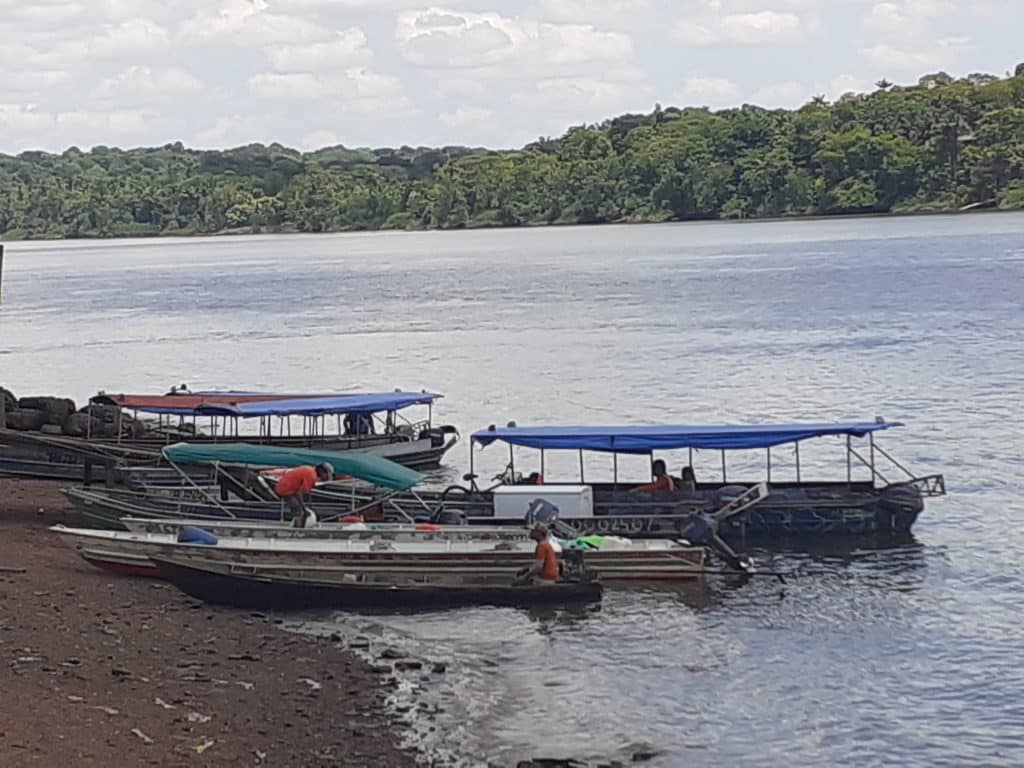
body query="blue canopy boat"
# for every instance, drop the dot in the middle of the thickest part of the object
(110, 429)
(864, 502)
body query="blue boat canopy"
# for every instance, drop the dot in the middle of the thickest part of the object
(644, 439)
(320, 406)
(363, 466)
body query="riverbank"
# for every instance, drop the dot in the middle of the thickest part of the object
(8, 239)
(99, 670)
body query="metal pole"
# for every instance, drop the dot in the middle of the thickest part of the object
(797, 448)
(723, 465)
(615, 468)
(471, 447)
(691, 457)
(512, 461)
(871, 442)
(542, 463)
(769, 464)
(582, 479)
(849, 462)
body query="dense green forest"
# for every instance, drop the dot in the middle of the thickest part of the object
(943, 144)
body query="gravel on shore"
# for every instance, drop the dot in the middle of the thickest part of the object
(100, 670)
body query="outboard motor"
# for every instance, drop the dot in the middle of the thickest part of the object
(541, 511)
(701, 530)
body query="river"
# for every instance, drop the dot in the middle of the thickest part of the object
(906, 654)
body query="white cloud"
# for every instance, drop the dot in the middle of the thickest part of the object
(248, 22)
(762, 27)
(466, 116)
(583, 95)
(357, 88)
(713, 92)
(787, 95)
(741, 28)
(347, 48)
(146, 85)
(446, 38)
(591, 11)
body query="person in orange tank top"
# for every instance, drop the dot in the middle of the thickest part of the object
(295, 487)
(545, 565)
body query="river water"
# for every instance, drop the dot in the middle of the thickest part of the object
(901, 653)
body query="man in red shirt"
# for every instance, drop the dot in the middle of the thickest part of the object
(545, 565)
(662, 480)
(295, 487)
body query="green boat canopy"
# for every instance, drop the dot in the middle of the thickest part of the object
(362, 466)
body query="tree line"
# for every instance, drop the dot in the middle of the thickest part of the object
(942, 144)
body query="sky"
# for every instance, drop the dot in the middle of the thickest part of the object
(312, 73)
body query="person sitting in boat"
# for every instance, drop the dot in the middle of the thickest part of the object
(688, 480)
(534, 478)
(662, 480)
(295, 487)
(359, 424)
(545, 565)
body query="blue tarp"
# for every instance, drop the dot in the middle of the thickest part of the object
(319, 406)
(641, 439)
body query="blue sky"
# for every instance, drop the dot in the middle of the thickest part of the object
(308, 73)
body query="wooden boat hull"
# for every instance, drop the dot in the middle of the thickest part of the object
(128, 553)
(214, 583)
(810, 511)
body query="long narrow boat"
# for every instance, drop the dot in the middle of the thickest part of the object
(253, 587)
(104, 508)
(368, 422)
(132, 554)
(865, 501)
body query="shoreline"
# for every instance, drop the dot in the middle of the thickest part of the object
(250, 231)
(105, 670)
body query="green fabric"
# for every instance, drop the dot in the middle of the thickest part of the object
(364, 466)
(586, 542)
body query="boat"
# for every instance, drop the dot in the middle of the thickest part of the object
(254, 588)
(111, 433)
(359, 556)
(865, 501)
(235, 464)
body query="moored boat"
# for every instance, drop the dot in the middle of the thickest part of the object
(253, 587)
(864, 502)
(111, 432)
(375, 556)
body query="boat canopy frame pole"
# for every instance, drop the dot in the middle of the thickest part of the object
(723, 467)
(768, 452)
(615, 469)
(542, 463)
(202, 492)
(582, 480)
(796, 450)
(849, 460)
(512, 462)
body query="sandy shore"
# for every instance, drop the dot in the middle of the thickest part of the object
(98, 670)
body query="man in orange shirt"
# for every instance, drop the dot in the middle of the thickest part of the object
(545, 565)
(662, 480)
(295, 487)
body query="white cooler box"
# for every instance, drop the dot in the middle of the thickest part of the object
(513, 501)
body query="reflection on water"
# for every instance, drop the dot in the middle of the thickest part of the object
(872, 653)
